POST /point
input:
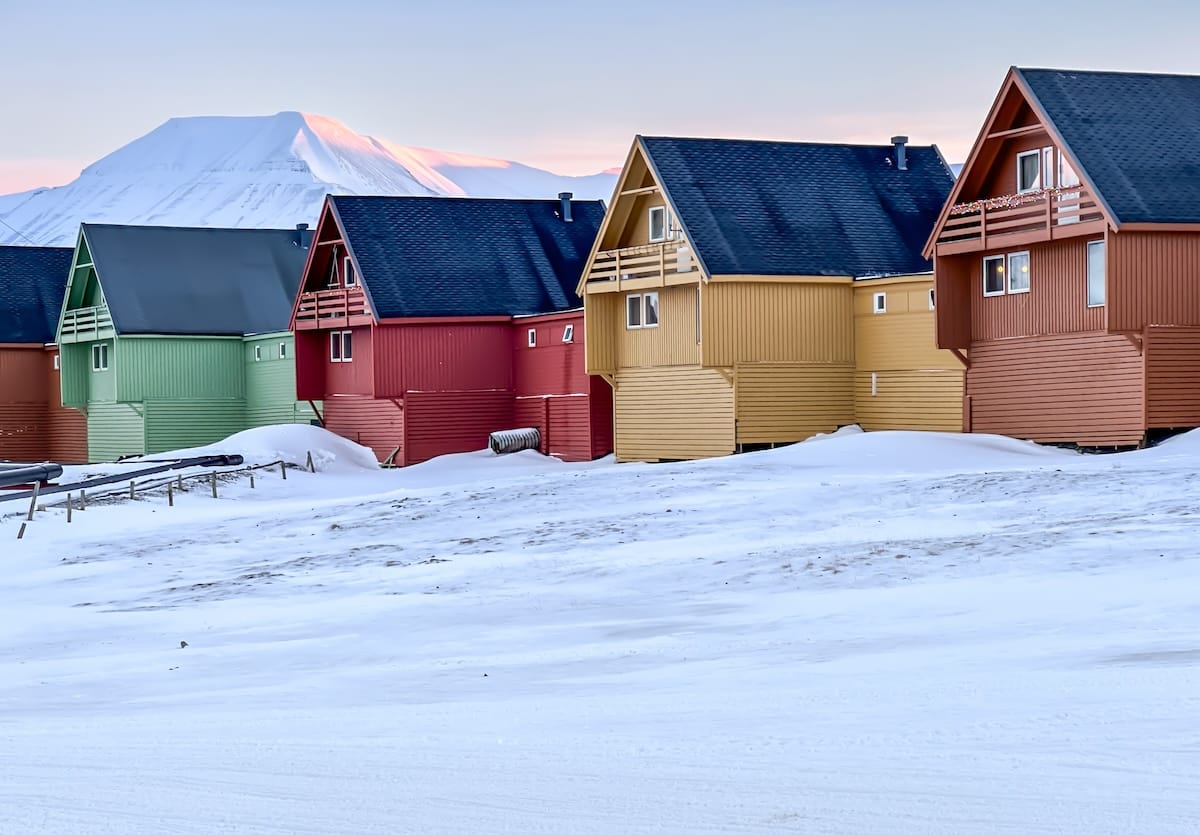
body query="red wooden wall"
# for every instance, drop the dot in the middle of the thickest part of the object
(34, 426)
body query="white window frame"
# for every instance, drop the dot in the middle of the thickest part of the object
(531, 338)
(57, 362)
(879, 303)
(1003, 274)
(1046, 175)
(631, 305)
(646, 297)
(349, 276)
(100, 356)
(258, 353)
(338, 342)
(1008, 288)
(1036, 154)
(283, 350)
(569, 333)
(662, 210)
(1103, 276)
(347, 346)
(932, 299)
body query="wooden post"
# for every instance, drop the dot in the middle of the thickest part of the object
(250, 470)
(309, 463)
(179, 483)
(21, 531)
(170, 494)
(283, 470)
(68, 507)
(83, 499)
(212, 477)
(132, 495)
(37, 486)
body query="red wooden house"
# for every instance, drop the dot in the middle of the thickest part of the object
(34, 425)
(424, 324)
(1067, 259)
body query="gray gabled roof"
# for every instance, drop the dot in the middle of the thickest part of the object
(752, 207)
(32, 281)
(1136, 136)
(197, 282)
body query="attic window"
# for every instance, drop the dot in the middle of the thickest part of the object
(658, 224)
(349, 277)
(258, 353)
(1029, 171)
(283, 350)
(531, 338)
(880, 303)
(569, 333)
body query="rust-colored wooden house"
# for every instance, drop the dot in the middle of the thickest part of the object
(425, 324)
(34, 425)
(720, 295)
(1067, 259)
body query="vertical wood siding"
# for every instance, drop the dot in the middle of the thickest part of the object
(178, 368)
(563, 421)
(440, 423)
(1082, 388)
(1055, 304)
(67, 428)
(747, 322)
(673, 342)
(115, 430)
(601, 408)
(378, 424)
(180, 424)
(312, 358)
(778, 403)
(952, 283)
(356, 376)
(1172, 357)
(271, 384)
(75, 375)
(672, 414)
(101, 385)
(1154, 279)
(601, 311)
(923, 400)
(442, 357)
(551, 366)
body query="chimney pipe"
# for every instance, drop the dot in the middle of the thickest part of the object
(565, 198)
(898, 143)
(301, 230)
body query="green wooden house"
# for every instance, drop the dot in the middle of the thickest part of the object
(172, 338)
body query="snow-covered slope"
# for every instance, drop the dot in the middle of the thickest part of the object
(870, 633)
(261, 171)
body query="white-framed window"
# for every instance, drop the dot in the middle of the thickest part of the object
(658, 223)
(531, 338)
(57, 362)
(1029, 171)
(1095, 274)
(633, 311)
(258, 353)
(993, 275)
(1018, 272)
(349, 277)
(341, 346)
(1047, 168)
(650, 310)
(569, 333)
(932, 306)
(879, 305)
(100, 357)
(283, 350)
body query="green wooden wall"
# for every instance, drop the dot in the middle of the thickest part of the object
(179, 368)
(271, 382)
(115, 430)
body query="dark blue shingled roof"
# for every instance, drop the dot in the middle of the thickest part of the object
(198, 282)
(793, 208)
(457, 256)
(1136, 136)
(32, 282)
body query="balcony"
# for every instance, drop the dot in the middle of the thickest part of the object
(86, 324)
(640, 267)
(340, 307)
(1020, 219)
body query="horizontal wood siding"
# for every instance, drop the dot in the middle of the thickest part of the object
(180, 424)
(271, 384)
(748, 322)
(673, 342)
(1172, 377)
(564, 421)
(1153, 279)
(778, 403)
(115, 430)
(925, 400)
(1055, 304)
(442, 357)
(440, 423)
(1081, 388)
(178, 368)
(23, 432)
(550, 366)
(900, 338)
(378, 424)
(672, 414)
(67, 427)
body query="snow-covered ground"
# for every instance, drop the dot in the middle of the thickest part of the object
(889, 632)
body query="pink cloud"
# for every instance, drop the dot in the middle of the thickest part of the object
(23, 175)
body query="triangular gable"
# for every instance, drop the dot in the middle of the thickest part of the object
(329, 236)
(83, 288)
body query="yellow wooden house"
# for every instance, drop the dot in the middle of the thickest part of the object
(722, 295)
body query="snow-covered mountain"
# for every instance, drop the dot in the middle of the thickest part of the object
(261, 171)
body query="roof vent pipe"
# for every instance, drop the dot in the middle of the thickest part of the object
(301, 234)
(565, 198)
(898, 143)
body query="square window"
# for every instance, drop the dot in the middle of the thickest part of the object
(1095, 274)
(880, 303)
(650, 310)
(993, 275)
(283, 350)
(350, 278)
(1018, 272)
(633, 312)
(347, 346)
(531, 338)
(335, 346)
(931, 304)
(1029, 171)
(658, 223)
(569, 333)
(100, 357)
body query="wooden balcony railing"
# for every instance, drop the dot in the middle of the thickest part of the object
(332, 308)
(1020, 218)
(658, 262)
(86, 323)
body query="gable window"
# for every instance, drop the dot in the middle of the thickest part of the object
(258, 353)
(633, 312)
(341, 346)
(100, 357)
(1047, 168)
(993, 275)
(931, 304)
(531, 338)
(1018, 272)
(283, 350)
(569, 333)
(880, 303)
(658, 223)
(349, 277)
(1095, 274)
(1029, 171)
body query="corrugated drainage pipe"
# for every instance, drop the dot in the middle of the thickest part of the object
(515, 440)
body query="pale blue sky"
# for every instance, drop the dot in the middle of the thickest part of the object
(560, 84)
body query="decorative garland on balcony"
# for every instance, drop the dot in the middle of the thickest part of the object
(1011, 201)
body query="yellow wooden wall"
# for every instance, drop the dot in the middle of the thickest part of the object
(672, 413)
(777, 403)
(750, 322)
(916, 386)
(673, 342)
(600, 312)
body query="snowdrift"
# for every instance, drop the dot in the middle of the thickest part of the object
(290, 443)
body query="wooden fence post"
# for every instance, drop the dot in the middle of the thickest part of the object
(131, 493)
(21, 531)
(83, 499)
(213, 480)
(68, 507)
(250, 470)
(309, 463)
(283, 470)
(170, 494)
(37, 486)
